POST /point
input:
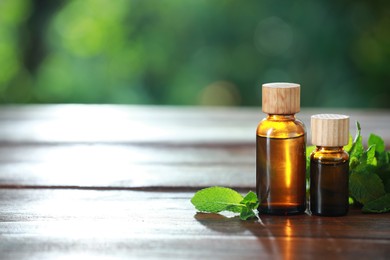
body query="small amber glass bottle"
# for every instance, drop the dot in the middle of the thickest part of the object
(329, 165)
(280, 152)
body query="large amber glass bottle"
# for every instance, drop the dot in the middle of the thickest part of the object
(329, 165)
(280, 152)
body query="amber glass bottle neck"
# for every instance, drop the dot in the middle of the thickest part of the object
(325, 154)
(281, 117)
(328, 149)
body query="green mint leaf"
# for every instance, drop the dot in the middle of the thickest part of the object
(377, 141)
(236, 208)
(250, 200)
(383, 160)
(380, 153)
(247, 213)
(217, 199)
(383, 171)
(380, 205)
(309, 150)
(387, 184)
(357, 146)
(368, 157)
(365, 186)
(366, 163)
(353, 163)
(348, 147)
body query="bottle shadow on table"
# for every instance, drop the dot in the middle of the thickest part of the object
(266, 236)
(283, 236)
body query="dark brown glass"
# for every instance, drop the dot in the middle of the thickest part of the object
(329, 181)
(281, 165)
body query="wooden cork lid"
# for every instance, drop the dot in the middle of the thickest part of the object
(329, 130)
(281, 98)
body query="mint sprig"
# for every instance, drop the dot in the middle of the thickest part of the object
(217, 199)
(370, 174)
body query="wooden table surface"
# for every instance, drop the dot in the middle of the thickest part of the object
(103, 182)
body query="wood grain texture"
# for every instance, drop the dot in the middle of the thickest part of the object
(107, 182)
(130, 166)
(281, 98)
(69, 223)
(161, 125)
(329, 130)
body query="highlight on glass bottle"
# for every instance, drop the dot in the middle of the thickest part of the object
(329, 165)
(280, 152)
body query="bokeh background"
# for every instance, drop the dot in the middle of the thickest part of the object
(194, 52)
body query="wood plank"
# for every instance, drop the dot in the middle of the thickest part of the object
(127, 166)
(162, 247)
(119, 154)
(148, 124)
(64, 223)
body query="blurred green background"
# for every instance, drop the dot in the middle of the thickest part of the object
(194, 52)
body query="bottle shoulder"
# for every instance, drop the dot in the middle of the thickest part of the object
(321, 156)
(281, 128)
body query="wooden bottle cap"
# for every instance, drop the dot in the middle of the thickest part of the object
(329, 130)
(281, 98)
